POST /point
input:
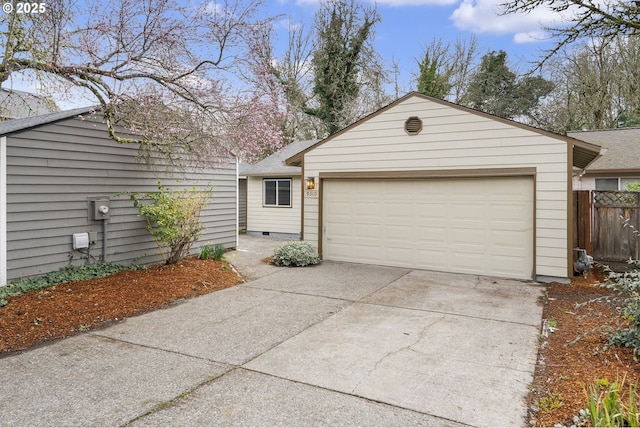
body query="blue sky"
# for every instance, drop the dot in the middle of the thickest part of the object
(409, 25)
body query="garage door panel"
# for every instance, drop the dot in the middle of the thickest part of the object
(507, 213)
(466, 237)
(456, 225)
(507, 266)
(399, 255)
(429, 210)
(397, 212)
(399, 232)
(367, 253)
(429, 259)
(338, 251)
(367, 209)
(511, 224)
(341, 232)
(505, 239)
(431, 235)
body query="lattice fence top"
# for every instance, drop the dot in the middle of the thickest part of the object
(606, 198)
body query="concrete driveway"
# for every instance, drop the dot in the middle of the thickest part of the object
(334, 344)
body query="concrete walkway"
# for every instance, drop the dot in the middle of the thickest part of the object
(335, 344)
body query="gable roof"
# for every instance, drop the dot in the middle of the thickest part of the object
(16, 125)
(274, 164)
(622, 144)
(583, 152)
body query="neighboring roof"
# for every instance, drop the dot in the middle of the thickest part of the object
(622, 144)
(16, 125)
(18, 104)
(242, 167)
(583, 152)
(274, 164)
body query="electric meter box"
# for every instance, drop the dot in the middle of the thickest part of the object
(100, 209)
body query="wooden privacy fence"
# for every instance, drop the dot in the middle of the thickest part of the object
(607, 224)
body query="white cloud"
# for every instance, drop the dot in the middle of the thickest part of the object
(287, 24)
(392, 3)
(414, 2)
(213, 7)
(483, 17)
(530, 37)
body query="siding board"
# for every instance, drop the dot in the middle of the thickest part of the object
(454, 139)
(55, 169)
(284, 220)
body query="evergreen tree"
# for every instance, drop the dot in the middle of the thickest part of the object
(343, 30)
(496, 90)
(430, 81)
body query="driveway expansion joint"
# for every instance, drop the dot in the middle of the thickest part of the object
(433, 311)
(298, 293)
(351, 394)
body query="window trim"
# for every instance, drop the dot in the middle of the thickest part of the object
(276, 180)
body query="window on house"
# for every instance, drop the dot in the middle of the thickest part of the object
(606, 184)
(276, 192)
(616, 183)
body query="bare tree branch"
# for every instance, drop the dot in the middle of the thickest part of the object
(583, 19)
(178, 55)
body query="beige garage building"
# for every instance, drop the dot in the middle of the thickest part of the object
(427, 184)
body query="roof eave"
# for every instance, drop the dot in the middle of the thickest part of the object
(273, 173)
(612, 172)
(585, 154)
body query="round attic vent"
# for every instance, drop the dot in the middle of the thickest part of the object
(413, 125)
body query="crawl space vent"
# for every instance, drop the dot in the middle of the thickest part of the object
(413, 125)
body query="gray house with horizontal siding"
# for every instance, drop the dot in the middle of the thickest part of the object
(58, 171)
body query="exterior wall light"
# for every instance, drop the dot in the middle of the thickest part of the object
(310, 183)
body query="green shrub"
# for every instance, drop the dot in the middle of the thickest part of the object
(627, 285)
(295, 253)
(173, 218)
(632, 187)
(209, 251)
(65, 274)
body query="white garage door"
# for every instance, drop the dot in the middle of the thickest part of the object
(477, 225)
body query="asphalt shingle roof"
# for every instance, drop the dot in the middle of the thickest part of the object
(622, 144)
(274, 164)
(15, 125)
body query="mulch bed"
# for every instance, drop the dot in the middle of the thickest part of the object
(576, 355)
(73, 307)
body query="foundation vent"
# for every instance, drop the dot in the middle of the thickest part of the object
(413, 125)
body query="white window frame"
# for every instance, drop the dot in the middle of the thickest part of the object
(277, 204)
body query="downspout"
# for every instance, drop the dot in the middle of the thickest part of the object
(570, 219)
(237, 187)
(3, 211)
